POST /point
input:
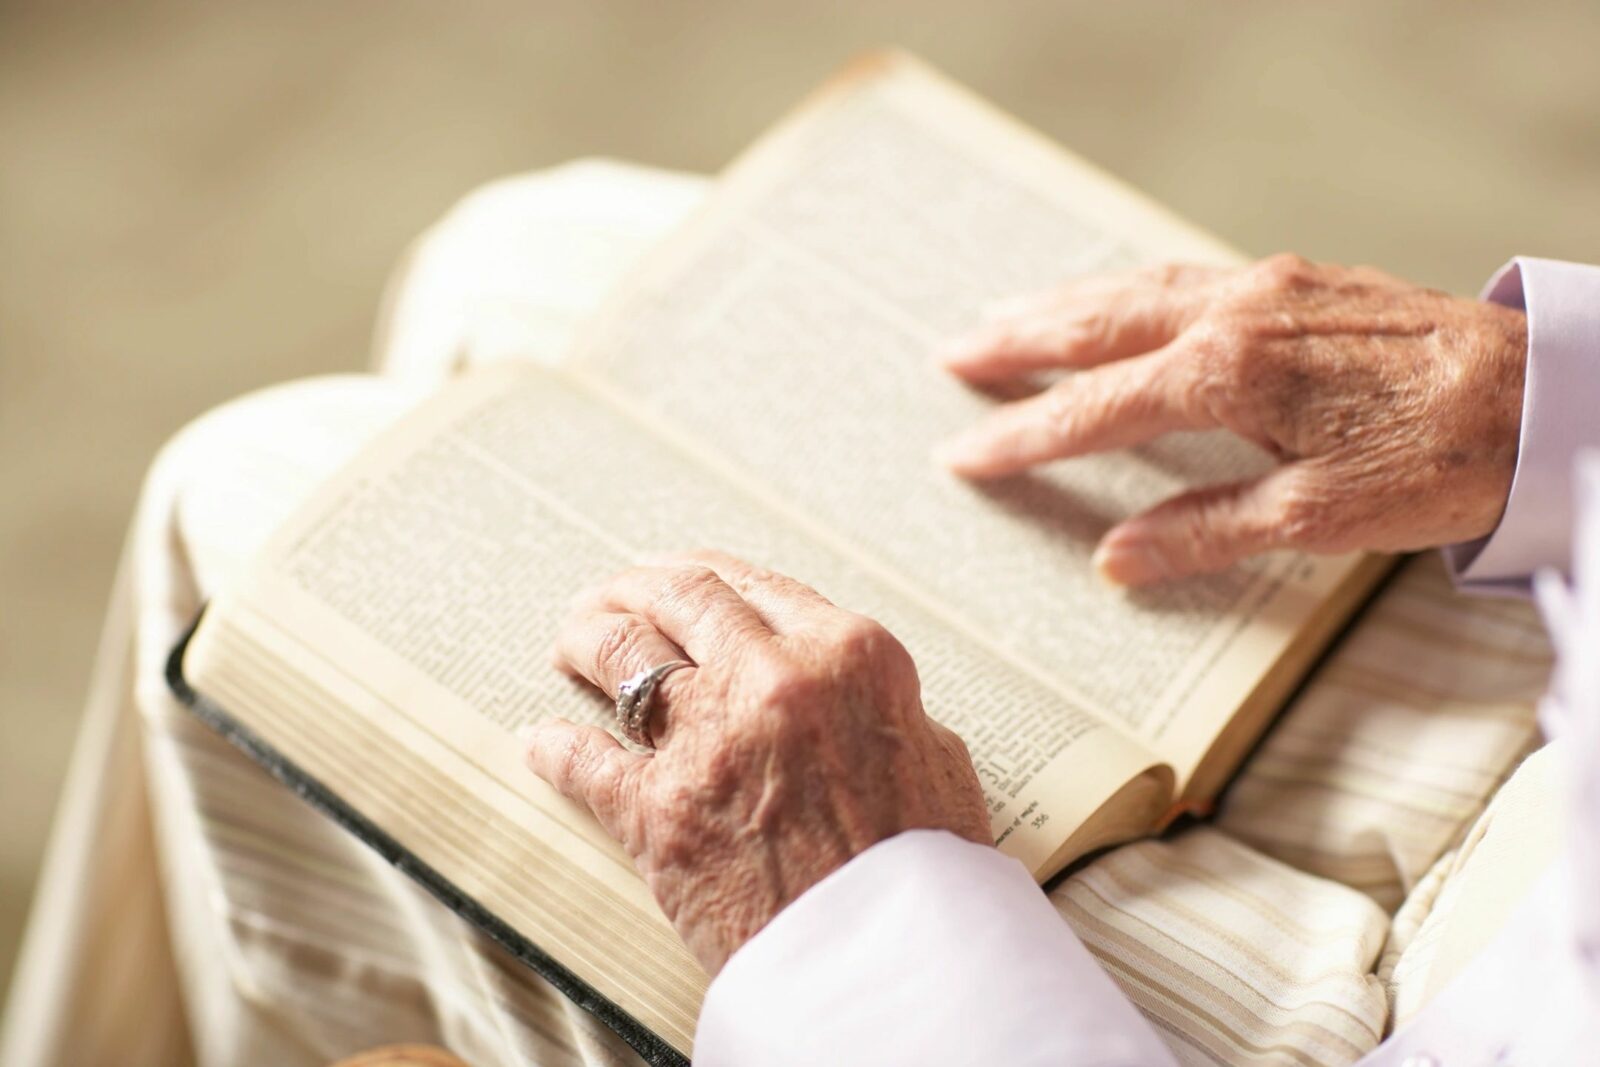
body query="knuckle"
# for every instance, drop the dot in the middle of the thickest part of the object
(1215, 367)
(793, 691)
(1064, 406)
(1200, 534)
(860, 637)
(1284, 272)
(782, 684)
(572, 763)
(1219, 338)
(764, 576)
(618, 645)
(1306, 517)
(1163, 275)
(1092, 328)
(688, 582)
(866, 645)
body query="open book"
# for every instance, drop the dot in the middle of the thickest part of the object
(764, 385)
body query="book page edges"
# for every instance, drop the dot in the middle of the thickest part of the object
(1293, 669)
(528, 872)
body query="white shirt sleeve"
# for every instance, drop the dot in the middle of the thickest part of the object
(923, 949)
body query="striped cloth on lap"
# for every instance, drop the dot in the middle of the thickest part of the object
(1257, 939)
(1236, 957)
(1399, 740)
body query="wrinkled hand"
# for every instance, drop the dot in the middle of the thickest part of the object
(796, 741)
(1394, 409)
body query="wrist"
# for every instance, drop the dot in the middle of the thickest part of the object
(1503, 351)
(1558, 400)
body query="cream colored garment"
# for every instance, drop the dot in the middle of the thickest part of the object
(1412, 722)
(1257, 940)
(292, 944)
(95, 980)
(1515, 842)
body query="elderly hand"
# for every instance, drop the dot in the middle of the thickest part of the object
(1395, 410)
(796, 740)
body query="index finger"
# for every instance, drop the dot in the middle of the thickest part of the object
(1085, 323)
(784, 604)
(1114, 406)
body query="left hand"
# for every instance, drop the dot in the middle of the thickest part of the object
(796, 741)
(1394, 409)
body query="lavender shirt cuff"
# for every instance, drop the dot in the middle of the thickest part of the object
(1560, 416)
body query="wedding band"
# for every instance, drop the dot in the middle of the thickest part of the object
(635, 698)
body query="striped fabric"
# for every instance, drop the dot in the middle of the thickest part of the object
(1259, 939)
(1236, 957)
(1399, 739)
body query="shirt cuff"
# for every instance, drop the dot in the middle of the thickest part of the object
(1559, 416)
(923, 949)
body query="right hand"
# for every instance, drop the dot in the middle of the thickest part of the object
(1394, 409)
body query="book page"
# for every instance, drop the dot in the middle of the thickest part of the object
(787, 332)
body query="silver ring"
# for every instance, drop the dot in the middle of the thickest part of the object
(634, 700)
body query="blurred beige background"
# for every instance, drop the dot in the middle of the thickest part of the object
(199, 199)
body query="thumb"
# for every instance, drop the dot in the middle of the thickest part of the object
(1200, 532)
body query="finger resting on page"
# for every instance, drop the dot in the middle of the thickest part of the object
(1083, 334)
(784, 604)
(1202, 531)
(1114, 406)
(1083, 324)
(690, 604)
(608, 648)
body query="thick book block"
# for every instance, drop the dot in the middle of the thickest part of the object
(643, 1041)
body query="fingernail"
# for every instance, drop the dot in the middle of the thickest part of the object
(1130, 562)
